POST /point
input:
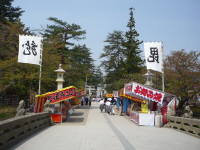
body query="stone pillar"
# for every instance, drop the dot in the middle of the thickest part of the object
(148, 76)
(60, 72)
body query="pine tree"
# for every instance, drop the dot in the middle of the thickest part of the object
(59, 35)
(15, 78)
(133, 59)
(81, 65)
(113, 52)
(122, 61)
(60, 42)
(8, 12)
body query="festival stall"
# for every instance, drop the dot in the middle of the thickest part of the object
(61, 102)
(125, 97)
(109, 95)
(148, 103)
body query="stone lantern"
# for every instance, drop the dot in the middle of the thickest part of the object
(148, 76)
(60, 72)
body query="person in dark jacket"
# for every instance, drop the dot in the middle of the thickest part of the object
(86, 100)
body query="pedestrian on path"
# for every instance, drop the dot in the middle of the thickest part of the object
(101, 105)
(108, 103)
(86, 100)
(90, 101)
(82, 101)
(122, 105)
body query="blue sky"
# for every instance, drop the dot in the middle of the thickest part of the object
(174, 22)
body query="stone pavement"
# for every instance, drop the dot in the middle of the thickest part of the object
(89, 129)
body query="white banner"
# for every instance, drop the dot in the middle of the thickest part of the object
(30, 50)
(154, 55)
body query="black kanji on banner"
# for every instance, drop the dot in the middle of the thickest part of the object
(153, 55)
(28, 48)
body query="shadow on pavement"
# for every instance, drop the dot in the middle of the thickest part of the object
(84, 107)
(75, 120)
(77, 114)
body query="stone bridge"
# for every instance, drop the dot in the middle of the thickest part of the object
(89, 129)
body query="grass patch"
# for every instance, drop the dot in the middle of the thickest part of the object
(7, 112)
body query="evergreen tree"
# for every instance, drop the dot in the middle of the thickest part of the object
(122, 61)
(133, 61)
(10, 28)
(81, 65)
(96, 78)
(61, 34)
(9, 39)
(8, 12)
(76, 59)
(15, 78)
(113, 59)
(113, 52)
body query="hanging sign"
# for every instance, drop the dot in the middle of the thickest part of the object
(138, 90)
(115, 94)
(62, 95)
(154, 55)
(128, 88)
(30, 49)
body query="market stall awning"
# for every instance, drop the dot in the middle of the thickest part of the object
(122, 94)
(109, 95)
(134, 98)
(60, 95)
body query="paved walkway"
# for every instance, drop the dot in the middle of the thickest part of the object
(89, 129)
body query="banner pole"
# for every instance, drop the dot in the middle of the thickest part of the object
(163, 82)
(40, 73)
(163, 76)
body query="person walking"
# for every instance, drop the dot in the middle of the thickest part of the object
(86, 100)
(82, 101)
(102, 105)
(108, 103)
(122, 105)
(90, 101)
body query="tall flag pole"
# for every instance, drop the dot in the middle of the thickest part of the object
(154, 57)
(40, 73)
(30, 51)
(163, 76)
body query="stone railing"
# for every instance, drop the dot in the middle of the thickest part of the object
(15, 129)
(187, 125)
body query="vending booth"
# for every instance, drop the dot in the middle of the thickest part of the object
(148, 104)
(60, 102)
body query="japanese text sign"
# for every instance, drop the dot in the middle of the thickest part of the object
(154, 55)
(144, 92)
(30, 50)
(62, 95)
